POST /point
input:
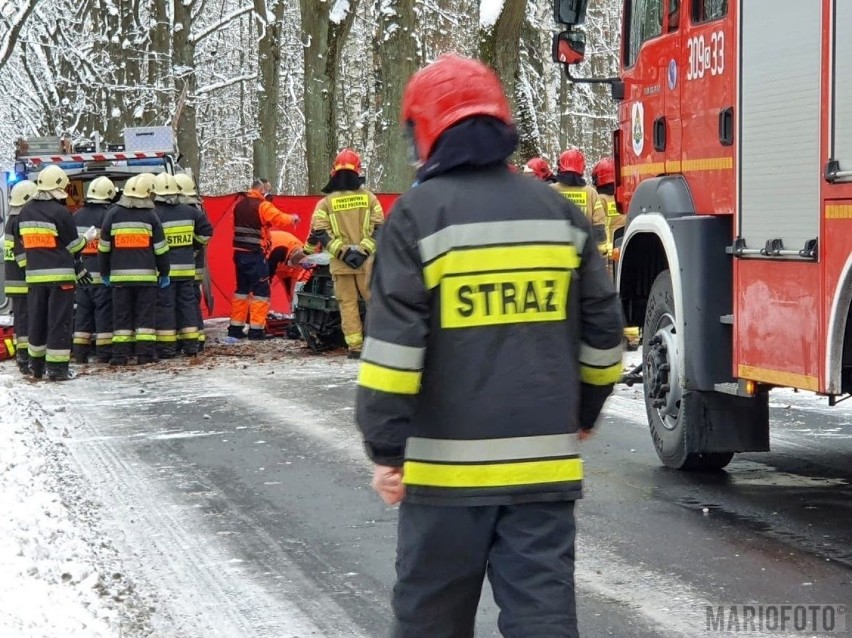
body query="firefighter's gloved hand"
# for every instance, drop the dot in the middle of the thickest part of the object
(84, 277)
(163, 282)
(105, 279)
(91, 234)
(353, 257)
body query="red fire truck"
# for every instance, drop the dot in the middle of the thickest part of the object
(734, 167)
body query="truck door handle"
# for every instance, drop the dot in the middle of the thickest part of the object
(660, 134)
(726, 126)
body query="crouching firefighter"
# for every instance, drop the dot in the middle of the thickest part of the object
(186, 229)
(134, 261)
(93, 316)
(51, 243)
(15, 261)
(344, 224)
(493, 340)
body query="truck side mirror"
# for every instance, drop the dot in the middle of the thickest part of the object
(569, 47)
(570, 12)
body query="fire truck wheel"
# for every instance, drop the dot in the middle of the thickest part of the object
(666, 402)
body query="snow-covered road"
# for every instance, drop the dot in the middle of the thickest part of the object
(230, 499)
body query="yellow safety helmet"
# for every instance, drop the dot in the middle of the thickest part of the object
(101, 189)
(186, 184)
(52, 178)
(165, 185)
(137, 188)
(22, 192)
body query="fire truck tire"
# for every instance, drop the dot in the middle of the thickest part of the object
(673, 412)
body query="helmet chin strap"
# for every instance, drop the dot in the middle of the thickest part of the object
(411, 143)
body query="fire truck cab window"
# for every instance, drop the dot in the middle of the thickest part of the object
(646, 22)
(707, 10)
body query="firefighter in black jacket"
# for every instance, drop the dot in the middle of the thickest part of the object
(94, 301)
(51, 242)
(187, 229)
(189, 196)
(493, 340)
(134, 261)
(15, 284)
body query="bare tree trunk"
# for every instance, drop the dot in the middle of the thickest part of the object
(183, 59)
(398, 53)
(158, 65)
(499, 46)
(323, 40)
(265, 147)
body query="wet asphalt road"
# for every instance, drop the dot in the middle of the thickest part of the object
(242, 495)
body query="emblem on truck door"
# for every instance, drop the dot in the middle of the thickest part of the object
(638, 128)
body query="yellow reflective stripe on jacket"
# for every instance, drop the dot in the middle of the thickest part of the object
(492, 474)
(600, 376)
(506, 258)
(8, 250)
(600, 366)
(390, 380)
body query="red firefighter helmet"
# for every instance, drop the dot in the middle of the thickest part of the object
(347, 160)
(603, 173)
(540, 167)
(572, 161)
(446, 92)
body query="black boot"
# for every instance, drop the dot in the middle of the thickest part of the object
(37, 367)
(118, 360)
(354, 354)
(236, 332)
(81, 354)
(144, 359)
(58, 372)
(23, 360)
(257, 334)
(103, 354)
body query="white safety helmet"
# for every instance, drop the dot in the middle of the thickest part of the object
(101, 189)
(165, 185)
(52, 178)
(145, 182)
(22, 192)
(186, 184)
(136, 190)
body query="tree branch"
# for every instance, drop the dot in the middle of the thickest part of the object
(15, 25)
(198, 37)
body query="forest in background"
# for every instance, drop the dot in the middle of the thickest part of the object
(276, 87)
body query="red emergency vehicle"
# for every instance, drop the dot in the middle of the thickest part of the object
(734, 166)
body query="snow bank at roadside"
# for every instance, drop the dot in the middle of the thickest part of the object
(58, 575)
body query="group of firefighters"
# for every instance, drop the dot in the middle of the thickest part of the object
(131, 265)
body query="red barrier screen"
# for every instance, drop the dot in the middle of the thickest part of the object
(220, 254)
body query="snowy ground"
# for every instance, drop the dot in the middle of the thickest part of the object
(152, 559)
(60, 576)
